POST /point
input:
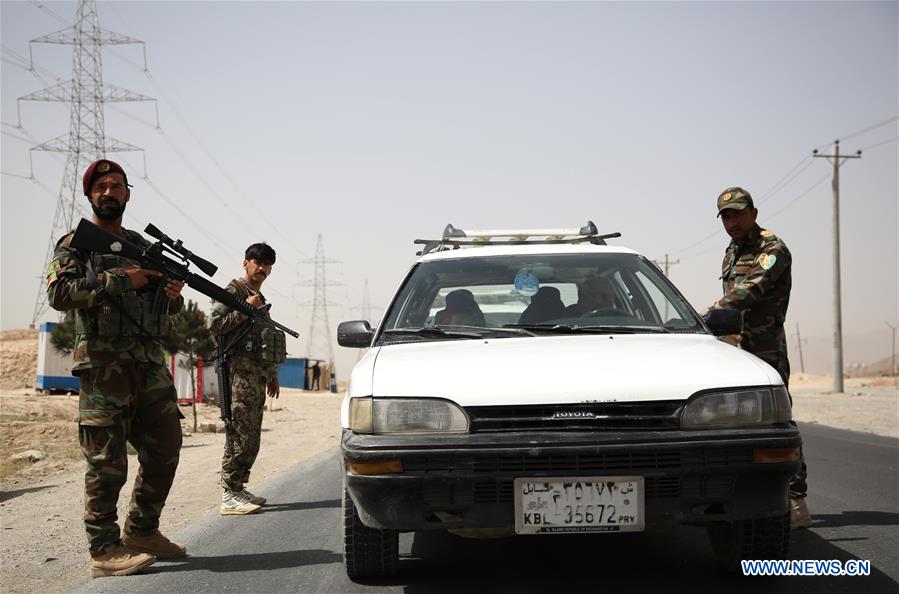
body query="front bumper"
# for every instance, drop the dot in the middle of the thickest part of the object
(465, 480)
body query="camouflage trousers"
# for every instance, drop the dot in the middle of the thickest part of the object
(127, 402)
(247, 403)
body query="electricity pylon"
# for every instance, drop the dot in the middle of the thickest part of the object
(86, 140)
(319, 337)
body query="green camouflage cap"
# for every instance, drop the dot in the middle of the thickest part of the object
(735, 198)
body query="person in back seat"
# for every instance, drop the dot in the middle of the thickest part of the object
(545, 305)
(461, 310)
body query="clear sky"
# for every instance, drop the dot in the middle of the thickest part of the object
(374, 124)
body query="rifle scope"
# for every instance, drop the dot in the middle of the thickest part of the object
(177, 246)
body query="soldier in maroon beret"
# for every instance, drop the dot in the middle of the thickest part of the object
(127, 394)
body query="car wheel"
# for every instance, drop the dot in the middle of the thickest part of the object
(766, 538)
(367, 552)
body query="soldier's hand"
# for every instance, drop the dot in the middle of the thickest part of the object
(173, 289)
(274, 388)
(139, 277)
(255, 300)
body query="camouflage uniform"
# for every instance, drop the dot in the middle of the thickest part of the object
(249, 377)
(756, 280)
(126, 394)
(756, 277)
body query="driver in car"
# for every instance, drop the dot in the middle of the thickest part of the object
(594, 293)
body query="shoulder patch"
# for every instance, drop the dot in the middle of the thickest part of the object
(767, 234)
(767, 261)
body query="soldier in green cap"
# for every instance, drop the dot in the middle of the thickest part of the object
(127, 396)
(756, 279)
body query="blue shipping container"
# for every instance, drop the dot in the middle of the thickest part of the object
(292, 373)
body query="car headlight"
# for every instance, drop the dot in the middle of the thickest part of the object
(738, 408)
(406, 415)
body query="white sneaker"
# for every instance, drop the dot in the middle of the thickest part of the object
(235, 504)
(252, 498)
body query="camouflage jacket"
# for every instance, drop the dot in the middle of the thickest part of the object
(228, 325)
(756, 279)
(69, 290)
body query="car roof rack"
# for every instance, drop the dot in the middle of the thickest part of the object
(454, 238)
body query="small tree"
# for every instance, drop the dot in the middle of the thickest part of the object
(62, 337)
(191, 336)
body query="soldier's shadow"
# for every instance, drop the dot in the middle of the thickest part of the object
(248, 562)
(299, 505)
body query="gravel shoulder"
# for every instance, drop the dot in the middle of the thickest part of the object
(43, 546)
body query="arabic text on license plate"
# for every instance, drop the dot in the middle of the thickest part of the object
(579, 504)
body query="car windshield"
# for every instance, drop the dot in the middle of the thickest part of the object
(536, 294)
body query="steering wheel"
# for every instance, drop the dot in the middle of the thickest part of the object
(606, 312)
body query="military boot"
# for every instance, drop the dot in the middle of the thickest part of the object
(799, 514)
(117, 560)
(154, 544)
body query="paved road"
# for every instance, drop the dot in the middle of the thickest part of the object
(295, 544)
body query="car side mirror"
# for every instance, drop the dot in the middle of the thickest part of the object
(723, 322)
(356, 334)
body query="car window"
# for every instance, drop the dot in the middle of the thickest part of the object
(590, 289)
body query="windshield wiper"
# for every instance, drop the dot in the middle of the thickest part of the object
(432, 331)
(590, 329)
(505, 329)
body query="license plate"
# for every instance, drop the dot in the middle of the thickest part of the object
(579, 504)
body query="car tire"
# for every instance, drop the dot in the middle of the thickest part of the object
(367, 552)
(765, 538)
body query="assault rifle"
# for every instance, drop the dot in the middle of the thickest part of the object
(90, 237)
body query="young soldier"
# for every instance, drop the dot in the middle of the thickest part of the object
(254, 352)
(756, 279)
(126, 393)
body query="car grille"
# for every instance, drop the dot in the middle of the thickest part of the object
(664, 414)
(575, 464)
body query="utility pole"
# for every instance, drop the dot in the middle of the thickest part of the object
(893, 360)
(799, 342)
(664, 265)
(837, 160)
(86, 139)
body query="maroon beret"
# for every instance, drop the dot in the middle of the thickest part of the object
(99, 169)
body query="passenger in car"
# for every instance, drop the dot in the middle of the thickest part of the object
(461, 310)
(595, 292)
(545, 305)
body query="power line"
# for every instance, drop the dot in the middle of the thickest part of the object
(871, 146)
(793, 174)
(861, 131)
(51, 13)
(232, 184)
(796, 199)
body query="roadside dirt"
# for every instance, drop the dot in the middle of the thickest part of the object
(42, 543)
(18, 359)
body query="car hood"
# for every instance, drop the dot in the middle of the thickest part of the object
(560, 369)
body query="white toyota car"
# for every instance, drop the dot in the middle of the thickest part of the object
(541, 382)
